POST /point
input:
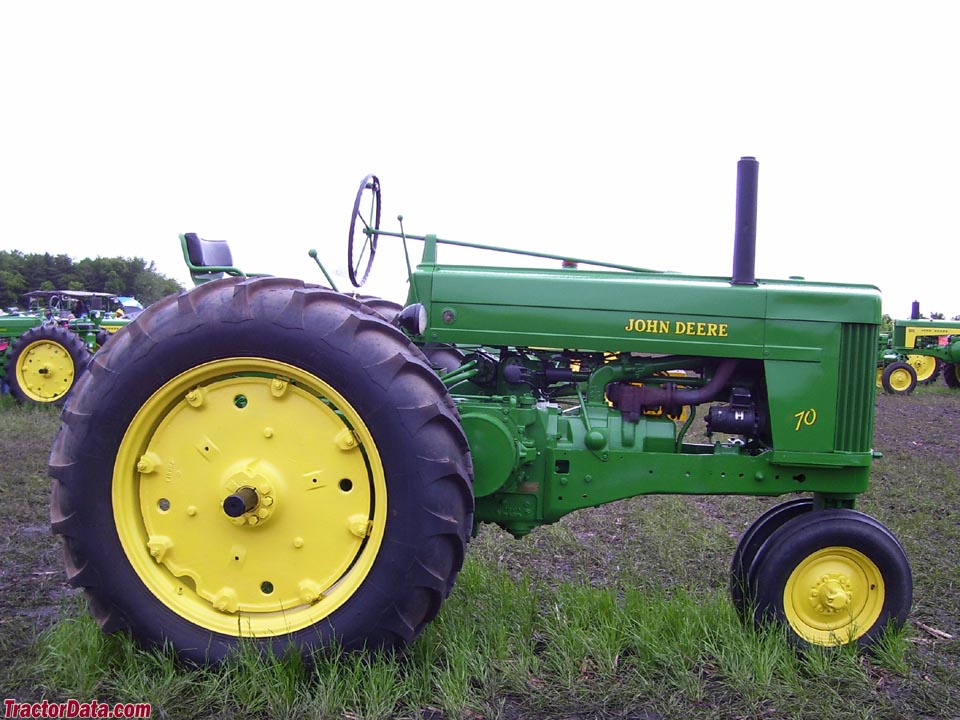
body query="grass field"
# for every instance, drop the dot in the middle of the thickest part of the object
(616, 612)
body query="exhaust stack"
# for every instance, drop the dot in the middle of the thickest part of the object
(745, 235)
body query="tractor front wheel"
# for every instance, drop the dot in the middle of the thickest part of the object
(832, 577)
(899, 378)
(751, 542)
(44, 364)
(257, 459)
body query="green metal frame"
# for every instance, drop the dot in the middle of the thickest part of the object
(544, 347)
(806, 352)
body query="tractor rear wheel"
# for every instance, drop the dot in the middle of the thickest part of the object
(44, 364)
(751, 542)
(387, 309)
(951, 375)
(445, 358)
(260, 459)
(899, 378)
(926, 367)
(832, 577)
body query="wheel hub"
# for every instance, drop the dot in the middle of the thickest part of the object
(900, 379)
(251, 498)
(45, 371)
(255, 497)
(832, 594)
(242, 501)
(924, 365)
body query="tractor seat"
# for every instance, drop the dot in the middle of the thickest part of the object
(208, 253)
(208, 259)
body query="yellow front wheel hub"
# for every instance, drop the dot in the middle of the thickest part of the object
(834, 596)
(900, 380)
(45, 371)
(249, 497)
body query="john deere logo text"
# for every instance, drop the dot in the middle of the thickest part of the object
(676, 327)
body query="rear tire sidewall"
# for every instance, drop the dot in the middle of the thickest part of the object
(951, 375)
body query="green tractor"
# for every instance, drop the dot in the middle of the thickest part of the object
(44, 348)
(39, 361)
(267, 460)
(917, 352)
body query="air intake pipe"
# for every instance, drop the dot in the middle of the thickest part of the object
(745, 235)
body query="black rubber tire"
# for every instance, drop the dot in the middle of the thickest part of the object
(832, 530)
(72, 355)
(751, 542)
(893, 378)
(387, 309)
(102, 337)
(414, 424)
(951, 375)
(446, 358)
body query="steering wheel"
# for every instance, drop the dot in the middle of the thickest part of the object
(359, 261)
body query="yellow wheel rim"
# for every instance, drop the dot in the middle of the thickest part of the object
(900, 379)
(879, 377)
(312, 497)
(924, 365)
(834, 596)
(45, 371)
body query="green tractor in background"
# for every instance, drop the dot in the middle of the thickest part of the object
(44, 348)
(917, 352)
(267, 460)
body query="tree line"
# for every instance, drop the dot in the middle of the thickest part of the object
(23, 272)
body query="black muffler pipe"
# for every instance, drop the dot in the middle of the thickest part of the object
(915, 310)
(745, 236)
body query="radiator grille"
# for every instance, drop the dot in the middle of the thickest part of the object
(858, 387)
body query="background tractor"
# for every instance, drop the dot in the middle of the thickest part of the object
(264, 459)
(917, 352)
(44, 348)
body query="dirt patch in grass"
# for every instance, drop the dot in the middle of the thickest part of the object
(32, 586)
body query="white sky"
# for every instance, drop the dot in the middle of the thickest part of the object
(606, 130)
